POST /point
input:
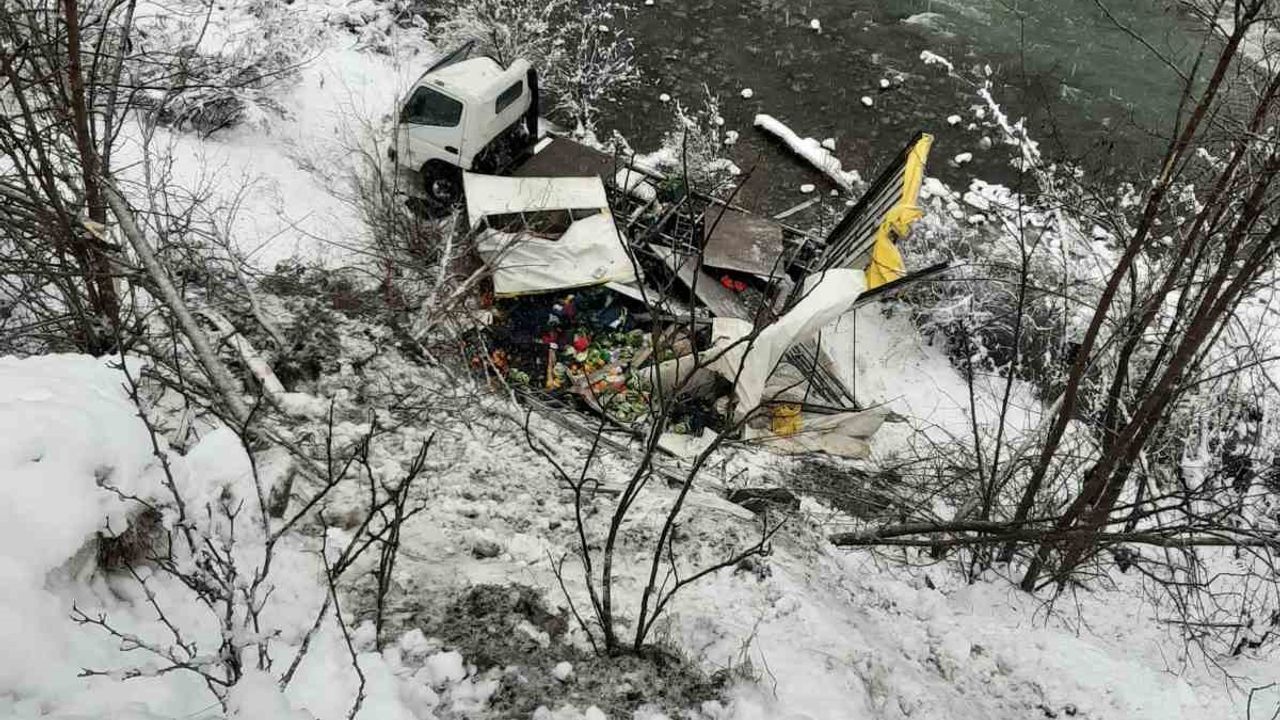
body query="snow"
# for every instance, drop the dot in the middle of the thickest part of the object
(932, 58)
(65, 422)
(747, 93)
(954, 120)
(808, 188)
(258, 695)
(811, 150)
(664, 98)
(815, 25)
(444, 668)
(866, 101)
(832, 634)
(68, 429)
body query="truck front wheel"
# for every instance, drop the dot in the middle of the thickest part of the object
(442, 182)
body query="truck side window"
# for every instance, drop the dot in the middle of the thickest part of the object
(508, 96)
(429, 107)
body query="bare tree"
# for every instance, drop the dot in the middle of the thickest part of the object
(56, 148)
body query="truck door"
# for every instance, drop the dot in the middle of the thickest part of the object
(432, 122)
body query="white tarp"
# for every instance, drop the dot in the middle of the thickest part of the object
(590, 252)
(751, 363)
(497, 194)
(846, 434)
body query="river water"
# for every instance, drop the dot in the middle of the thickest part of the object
(1090, 92)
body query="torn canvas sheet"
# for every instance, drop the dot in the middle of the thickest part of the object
(843, 434)
(590, 252)
(749, 363)
(500, 195)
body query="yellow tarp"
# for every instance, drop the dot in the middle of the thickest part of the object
(886, 264)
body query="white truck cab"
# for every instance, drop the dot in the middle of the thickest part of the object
(464, 114)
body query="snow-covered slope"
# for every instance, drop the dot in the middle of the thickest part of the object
(829, 634)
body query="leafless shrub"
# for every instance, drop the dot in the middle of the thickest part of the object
(1152, 453)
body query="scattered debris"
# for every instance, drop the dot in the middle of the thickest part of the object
(758, 500)
(601, 286)
(796, 208)
(704, 302)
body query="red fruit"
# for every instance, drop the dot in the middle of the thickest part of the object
(581, 342)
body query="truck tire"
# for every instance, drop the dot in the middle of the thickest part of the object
(442, 182)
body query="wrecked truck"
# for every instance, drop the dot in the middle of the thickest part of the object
(610, 287)
(607, 290)
(464, 113)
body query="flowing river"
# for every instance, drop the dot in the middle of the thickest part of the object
(1090, 91)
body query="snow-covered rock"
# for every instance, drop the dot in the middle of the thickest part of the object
(443, 668)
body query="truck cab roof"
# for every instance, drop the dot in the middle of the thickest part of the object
(467, 80)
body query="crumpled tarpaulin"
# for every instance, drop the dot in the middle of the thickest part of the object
(749, 362)
(829, 295)
(589, 252)
(845, 434)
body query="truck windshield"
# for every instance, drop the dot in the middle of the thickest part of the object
(431, 107)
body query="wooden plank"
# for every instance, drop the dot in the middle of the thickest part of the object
(797, 208)
(719, 300)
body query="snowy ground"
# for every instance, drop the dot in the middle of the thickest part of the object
(828, 634)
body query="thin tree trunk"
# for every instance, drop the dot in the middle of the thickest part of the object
(222, 381)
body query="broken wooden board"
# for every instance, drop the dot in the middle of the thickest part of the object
(717, 298)
(734, 240)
